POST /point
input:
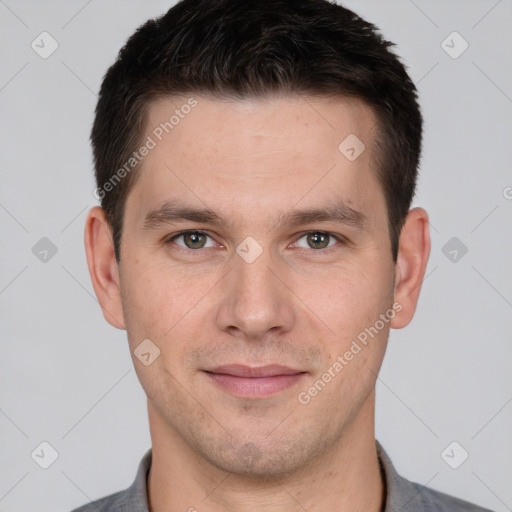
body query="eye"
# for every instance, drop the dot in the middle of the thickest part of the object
(318, 240)
(192, 240)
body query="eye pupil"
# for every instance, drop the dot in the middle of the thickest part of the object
(194, 240)
(318, 238)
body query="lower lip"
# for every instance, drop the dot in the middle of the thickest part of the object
(255, 387)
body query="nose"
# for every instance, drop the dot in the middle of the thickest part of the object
(256, 299)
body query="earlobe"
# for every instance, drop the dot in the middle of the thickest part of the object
(103, 267)
(413, 254)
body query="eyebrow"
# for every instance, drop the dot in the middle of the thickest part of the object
(173, 211)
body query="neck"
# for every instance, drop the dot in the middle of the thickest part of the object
(345, 478)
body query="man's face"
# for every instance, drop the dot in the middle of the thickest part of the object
(255, 289)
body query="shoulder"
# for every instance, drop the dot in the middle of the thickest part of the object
(406, 496)
(132, 499)
(118, 502)
(430, 500)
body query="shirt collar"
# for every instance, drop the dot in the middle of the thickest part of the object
(400, 493)
(137, 493)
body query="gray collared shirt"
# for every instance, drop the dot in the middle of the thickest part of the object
(401, 494)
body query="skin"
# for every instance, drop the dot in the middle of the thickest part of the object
(295, 304)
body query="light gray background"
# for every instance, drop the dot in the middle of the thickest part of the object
(66, 376)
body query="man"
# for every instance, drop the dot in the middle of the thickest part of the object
(256, 162)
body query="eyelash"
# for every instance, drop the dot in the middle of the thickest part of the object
(326, 250)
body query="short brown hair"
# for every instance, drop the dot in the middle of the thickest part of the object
(239, 49)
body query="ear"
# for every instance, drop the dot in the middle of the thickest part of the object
(412, 259)
(99, 247)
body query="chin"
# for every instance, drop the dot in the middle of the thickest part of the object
(263, 460)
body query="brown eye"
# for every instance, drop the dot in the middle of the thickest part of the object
(191, 239)
(317, 240)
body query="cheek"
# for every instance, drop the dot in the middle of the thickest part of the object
(155, 309)
(348, 299)
(151, 302)
(165, 304)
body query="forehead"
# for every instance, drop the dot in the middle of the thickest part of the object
(229, 127)
(270, 152)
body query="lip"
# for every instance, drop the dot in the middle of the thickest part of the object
(254, 382)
